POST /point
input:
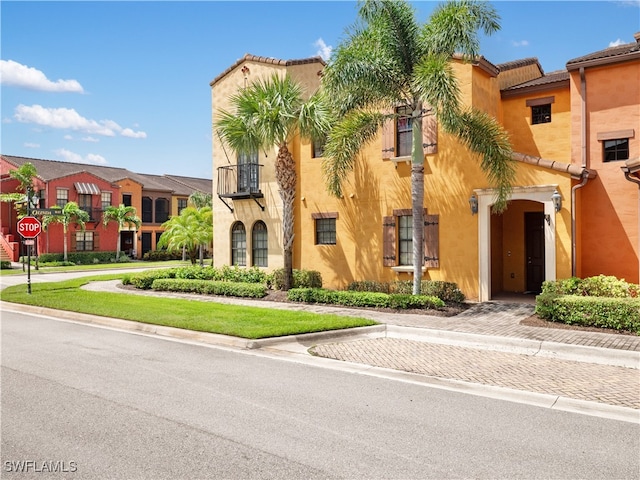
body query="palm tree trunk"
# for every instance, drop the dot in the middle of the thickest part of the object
(286, 178)
(64, 244)
(417, 198)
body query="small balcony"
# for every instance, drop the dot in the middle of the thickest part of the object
(94, 213)
(239, 182)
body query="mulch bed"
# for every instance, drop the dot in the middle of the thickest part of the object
(535, 321)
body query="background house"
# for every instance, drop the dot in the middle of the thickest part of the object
(94, 188)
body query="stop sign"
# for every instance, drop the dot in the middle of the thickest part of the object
(29, 227)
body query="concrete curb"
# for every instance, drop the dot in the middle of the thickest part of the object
(521, 346)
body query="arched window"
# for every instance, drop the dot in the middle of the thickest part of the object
(259, 245)
(162, 210)
(147, 210)
(238, 245)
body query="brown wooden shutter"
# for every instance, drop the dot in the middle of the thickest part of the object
(389, 241)
(73, 241)
(96, 241)
(431, 241)
(429, 133)
(388, 139)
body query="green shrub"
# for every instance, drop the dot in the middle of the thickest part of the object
(445, 291)
(5, 265)
(400, 301)
(369, 286)
(301, 279)
(242, 275)
(161, 255)
(206, 287)
(598, 286)
(195, 272)
(350, 298)
(144, 280)
(604, 312)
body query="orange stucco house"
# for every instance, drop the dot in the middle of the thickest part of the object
(573, 209)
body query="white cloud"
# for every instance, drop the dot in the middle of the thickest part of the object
(68, 118)
(68, 137)
(521, 43)
(31, 145)
(324, 50)
(17, 75)
(70, 156)
(616, 43)
(127, 132)
(91, 139)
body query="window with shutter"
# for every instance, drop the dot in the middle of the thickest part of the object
(394, 238)
(397, 137)
(431, 241)
(389, 241)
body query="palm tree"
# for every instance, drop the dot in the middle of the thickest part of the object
(267, 113)
(25, 175)
(124, 216)
(71, 213)
(201, 199)
(189, 231)
(391, 60)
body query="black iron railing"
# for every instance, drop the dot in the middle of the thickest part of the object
(240, 181)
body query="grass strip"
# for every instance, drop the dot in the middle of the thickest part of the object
(235, 320)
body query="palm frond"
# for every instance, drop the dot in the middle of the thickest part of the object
(453, 27)
(435, 83)
(484, 135)
(346, 139)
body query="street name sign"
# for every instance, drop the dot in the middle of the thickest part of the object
(46, 211)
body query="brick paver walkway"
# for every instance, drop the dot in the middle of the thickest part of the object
(583, 381)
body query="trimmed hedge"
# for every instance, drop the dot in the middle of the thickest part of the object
(301, 279)
(144, 280)
(207, 287)
(363, 299)
(445, 291)
(598, 286)
(603, 312)
(80, 258)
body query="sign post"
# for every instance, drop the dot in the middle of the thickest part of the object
(29, 227)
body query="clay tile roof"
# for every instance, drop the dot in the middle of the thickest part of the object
(520, 63)
(620, 53)
(549, 78)
(574, 170)
(268, 60)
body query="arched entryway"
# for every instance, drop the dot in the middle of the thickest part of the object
(517, 250)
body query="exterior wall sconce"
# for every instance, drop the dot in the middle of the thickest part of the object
(473, 204)
(556, 198)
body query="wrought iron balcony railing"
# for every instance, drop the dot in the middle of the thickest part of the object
(240, 182)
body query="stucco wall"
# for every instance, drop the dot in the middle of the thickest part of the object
(608, 205)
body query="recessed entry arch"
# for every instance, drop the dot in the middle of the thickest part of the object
(486, 198)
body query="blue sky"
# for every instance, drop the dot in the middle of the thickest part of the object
(126, 84)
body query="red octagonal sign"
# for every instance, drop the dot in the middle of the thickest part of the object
(29, 227)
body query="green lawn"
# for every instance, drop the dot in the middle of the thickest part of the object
(97, 266)
(238, 321)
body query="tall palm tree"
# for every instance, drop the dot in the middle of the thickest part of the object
(123, 216)
(271, 112)
(24, 175)
(391, 60)
(188, 231)
(71, 213)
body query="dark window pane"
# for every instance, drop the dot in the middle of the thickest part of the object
(325, 231)
(541, 114)
(147, 210)
(617, 149)
(405, 239)
(238, 245)
(259, 245)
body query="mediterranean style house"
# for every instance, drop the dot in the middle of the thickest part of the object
(574, 208)
(94, 188)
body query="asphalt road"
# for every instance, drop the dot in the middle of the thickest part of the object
(108, 404)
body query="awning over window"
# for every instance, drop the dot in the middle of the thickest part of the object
(87, 188)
